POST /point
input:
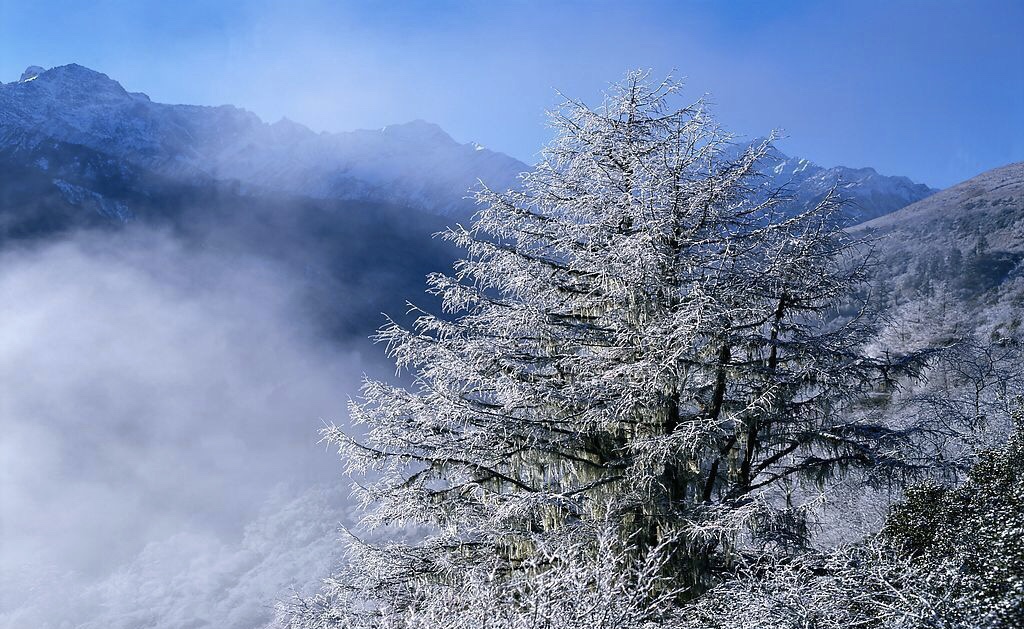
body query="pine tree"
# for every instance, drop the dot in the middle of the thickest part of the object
(642, 342)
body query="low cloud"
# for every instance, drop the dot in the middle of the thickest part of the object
(159, 412)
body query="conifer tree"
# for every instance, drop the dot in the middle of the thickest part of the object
(641, 342)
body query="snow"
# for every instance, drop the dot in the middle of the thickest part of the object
(31, 73)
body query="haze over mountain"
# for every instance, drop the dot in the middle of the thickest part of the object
(93, 144)
(415, 163)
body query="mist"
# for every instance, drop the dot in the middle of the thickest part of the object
(160, 414)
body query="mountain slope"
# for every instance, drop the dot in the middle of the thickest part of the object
(957, 258)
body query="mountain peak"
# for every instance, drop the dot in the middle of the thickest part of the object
(31, 73)
(420, 130)
(71, 77)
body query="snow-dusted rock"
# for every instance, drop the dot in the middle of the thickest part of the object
(868, 193)
(31, 73)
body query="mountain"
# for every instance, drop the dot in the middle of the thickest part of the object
(954, 262)
(867, 193)
(349, 212)
(415, 164)
(352, 258)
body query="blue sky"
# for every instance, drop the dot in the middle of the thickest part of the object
(930, 89)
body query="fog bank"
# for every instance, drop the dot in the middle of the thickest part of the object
(159, 409)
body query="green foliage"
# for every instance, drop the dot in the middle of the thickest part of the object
(972, 536)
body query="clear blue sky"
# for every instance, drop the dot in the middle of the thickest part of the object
(930, 89)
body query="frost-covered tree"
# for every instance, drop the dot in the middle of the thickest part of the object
(947, 558)
(589, 583)
(966, 401)
(640, 340)
(867, 585)
(970, 538)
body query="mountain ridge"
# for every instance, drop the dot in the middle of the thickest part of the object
(416, 164)
(868, 193)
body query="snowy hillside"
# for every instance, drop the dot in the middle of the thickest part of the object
(955, 261)
(410, 164)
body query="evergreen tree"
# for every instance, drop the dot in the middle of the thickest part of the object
(971, 538)
(642, 342)
(947, 558)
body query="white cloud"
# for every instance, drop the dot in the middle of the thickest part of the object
(159, 412)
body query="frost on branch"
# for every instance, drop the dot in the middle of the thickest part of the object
(595, 582)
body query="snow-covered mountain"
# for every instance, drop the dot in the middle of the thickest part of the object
(415, 164)
(954, 263)
(868, 193)
(348, 210)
